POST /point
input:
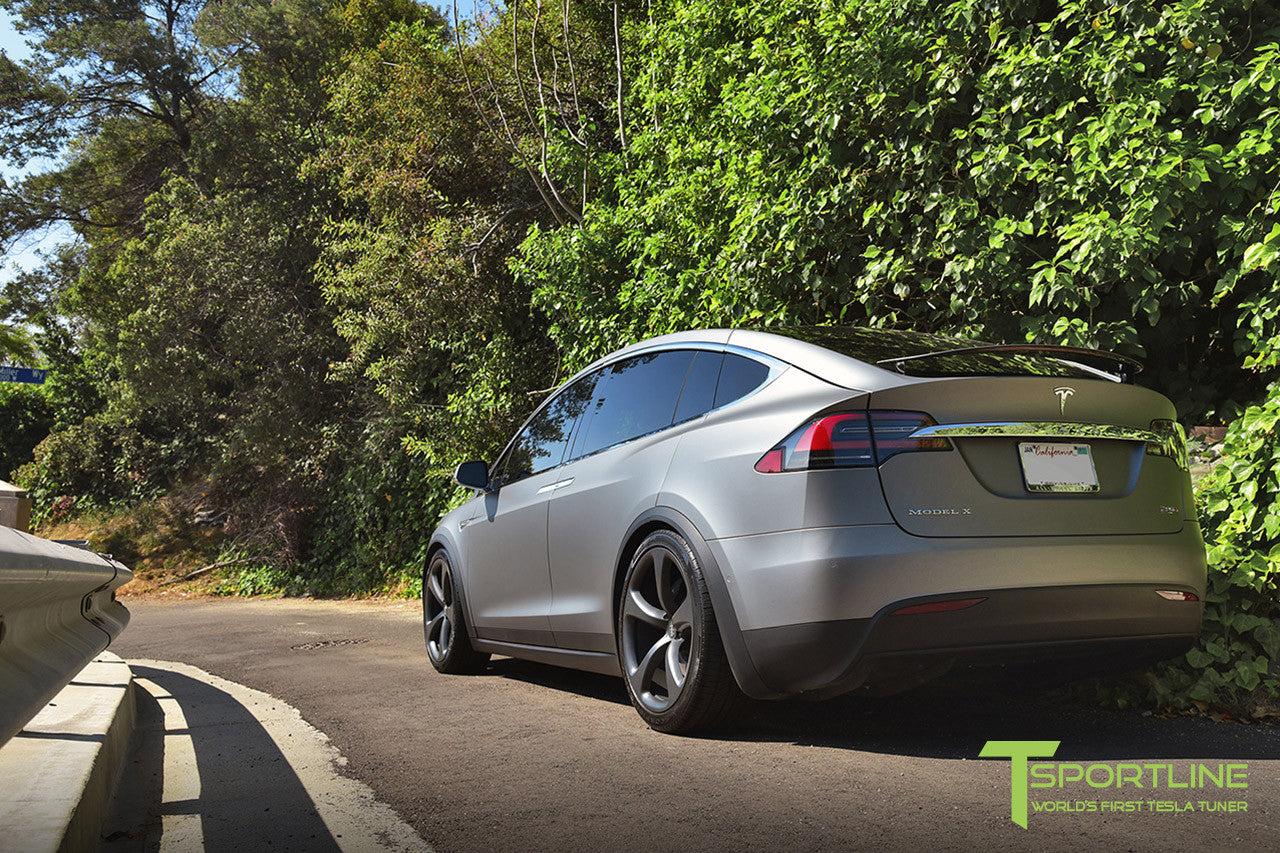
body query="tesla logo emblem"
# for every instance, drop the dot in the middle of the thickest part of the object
(1063, 393)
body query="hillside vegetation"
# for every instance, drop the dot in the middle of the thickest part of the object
(324, 250)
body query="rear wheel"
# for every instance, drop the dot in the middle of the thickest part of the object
(448, 645)
(673, 661)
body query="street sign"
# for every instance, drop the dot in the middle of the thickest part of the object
(22, 374)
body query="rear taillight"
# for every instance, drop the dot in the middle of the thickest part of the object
(1172, 443)
(892, 432)
(849, 440)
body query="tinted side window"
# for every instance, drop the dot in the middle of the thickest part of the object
(699, 392)
(541, 444)
(637, 397)
(739, 376)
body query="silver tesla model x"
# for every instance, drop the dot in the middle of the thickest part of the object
(812, 511)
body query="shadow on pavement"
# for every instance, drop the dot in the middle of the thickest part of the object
(592, 685)
(204, 774)
(949, 721)
(953, 720)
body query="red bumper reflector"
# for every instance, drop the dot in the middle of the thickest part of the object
(938, 606)
(1177, 595)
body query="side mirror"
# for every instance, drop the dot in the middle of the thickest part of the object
(473, 475)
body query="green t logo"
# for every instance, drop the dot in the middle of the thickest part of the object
(1019, 751)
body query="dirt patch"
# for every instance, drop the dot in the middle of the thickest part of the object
(160, 540)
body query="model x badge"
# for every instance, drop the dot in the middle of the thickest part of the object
(1063, 393)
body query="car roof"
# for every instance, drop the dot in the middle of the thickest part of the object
(842, 370)
(866, 359)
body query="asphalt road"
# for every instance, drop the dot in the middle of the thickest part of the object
(530, 757)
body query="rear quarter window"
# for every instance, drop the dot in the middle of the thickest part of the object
(739, 376)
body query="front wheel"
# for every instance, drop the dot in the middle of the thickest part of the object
(448, 645)
(673, 661)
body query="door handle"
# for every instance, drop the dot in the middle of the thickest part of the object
(553, 486)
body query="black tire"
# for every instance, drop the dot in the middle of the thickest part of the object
(666, 626)
(443, 626)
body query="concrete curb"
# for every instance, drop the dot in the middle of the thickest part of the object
(58, 773)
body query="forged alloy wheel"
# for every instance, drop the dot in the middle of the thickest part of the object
(447, 644)
(674, 663)
(441, 609)
(658, 640)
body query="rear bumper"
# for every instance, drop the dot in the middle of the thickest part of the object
(816, 607)
(1114, 627)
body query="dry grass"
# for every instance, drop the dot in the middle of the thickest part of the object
(159, 540)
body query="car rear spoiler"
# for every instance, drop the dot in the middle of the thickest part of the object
(1124, 367)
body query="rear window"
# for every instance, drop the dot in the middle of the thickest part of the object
(877, 345)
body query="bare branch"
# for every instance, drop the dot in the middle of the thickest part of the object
(506, 214)
(573, 74)
(515, 60)
(617, 52)
(218, 565)
(515, 146)
(541, 124)
(542, 86)
(484, 117)
(474, 249)
(573, 83)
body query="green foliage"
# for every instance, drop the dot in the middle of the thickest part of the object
(121, 84)
(417, 272)
(1065, 173)
(15, 344)
(27, 416)
(193, 298)
(224, 339)
(15, 341)
(69, 394)
(100, 459)
(1239, 651)
(371, 532)
(266, 579)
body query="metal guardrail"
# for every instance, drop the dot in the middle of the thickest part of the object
(57, 612)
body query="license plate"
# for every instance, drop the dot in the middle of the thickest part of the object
(1058, 467)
